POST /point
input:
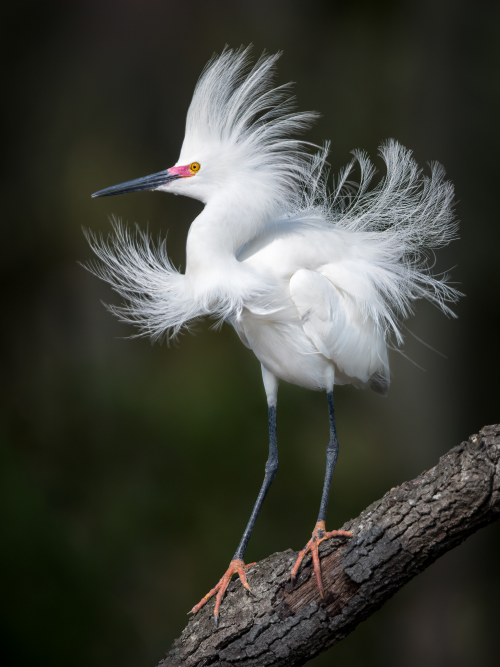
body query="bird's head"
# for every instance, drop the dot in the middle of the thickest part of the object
(192, 179)
(237, 137)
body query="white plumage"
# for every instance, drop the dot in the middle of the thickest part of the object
(269, 219)
(315, 281)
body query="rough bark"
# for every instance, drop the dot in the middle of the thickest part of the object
(393, 539)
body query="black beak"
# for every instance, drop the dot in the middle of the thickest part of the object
(145, 183)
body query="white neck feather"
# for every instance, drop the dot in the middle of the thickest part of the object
(227, 222)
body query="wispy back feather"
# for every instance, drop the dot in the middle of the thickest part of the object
(403, 219)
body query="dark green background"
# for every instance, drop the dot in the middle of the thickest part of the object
(128, 471)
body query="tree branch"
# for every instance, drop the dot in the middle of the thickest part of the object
(394, 539)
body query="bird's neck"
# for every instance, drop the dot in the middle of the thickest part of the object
(217, 234)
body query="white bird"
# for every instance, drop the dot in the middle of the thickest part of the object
(315, 282)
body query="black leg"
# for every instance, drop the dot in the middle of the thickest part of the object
(332, 452)
(319, 532)
(237, 566)
(271, 470)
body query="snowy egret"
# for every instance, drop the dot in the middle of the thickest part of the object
(315, 281)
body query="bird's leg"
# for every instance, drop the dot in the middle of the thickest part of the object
(237, 566)
(319, 532)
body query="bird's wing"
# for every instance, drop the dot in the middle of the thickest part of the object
(339, 330)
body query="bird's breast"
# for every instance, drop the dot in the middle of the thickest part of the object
(277, 338)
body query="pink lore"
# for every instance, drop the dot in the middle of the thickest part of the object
(181, 171)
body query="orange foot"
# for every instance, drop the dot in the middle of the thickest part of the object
(236, 566)
(319, 534)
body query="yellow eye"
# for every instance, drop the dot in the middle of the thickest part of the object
(194, 167)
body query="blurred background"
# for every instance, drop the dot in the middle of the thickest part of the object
(128, 470)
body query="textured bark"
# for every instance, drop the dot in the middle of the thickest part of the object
(394, 539)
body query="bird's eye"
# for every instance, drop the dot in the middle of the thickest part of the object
(194, 167)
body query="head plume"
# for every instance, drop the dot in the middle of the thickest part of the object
(239, 123)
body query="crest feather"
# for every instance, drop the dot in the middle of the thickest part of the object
(240, 117)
